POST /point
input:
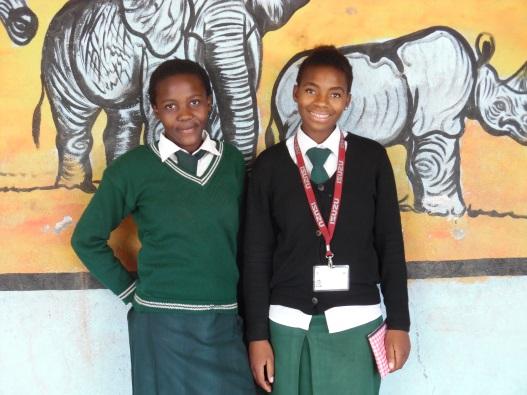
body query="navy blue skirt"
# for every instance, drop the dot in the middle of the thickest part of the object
(188, 353)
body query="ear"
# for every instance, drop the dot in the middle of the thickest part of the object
(295, 93)
(272, 14)
(209, 103)
(160, 23)
(156, 110)
(348, 101)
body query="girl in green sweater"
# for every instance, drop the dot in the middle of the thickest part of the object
(184, 193)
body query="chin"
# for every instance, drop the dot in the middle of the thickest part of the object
(322, 127)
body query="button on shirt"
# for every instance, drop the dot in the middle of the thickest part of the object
(168, 148)
(339, 318)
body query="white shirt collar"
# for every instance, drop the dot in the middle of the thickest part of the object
(332, 142)
(168, 147)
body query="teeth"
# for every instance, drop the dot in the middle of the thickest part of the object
(319, 116)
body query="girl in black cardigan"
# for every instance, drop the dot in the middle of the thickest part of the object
(311, 294)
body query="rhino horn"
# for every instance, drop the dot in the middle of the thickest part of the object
(518, 81)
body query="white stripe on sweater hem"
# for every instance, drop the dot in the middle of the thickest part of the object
(184, 306)
(123, 295)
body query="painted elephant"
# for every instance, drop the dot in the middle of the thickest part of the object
(99, 54)
(417, 91)
(19, 21)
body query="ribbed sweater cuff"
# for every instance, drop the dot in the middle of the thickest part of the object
(398, 324)
(258, 332)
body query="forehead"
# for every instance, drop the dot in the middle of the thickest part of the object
(180, 85)
(326, 76)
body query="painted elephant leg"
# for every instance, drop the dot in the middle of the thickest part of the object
(433, 168)
(122, 132)
(74, 118)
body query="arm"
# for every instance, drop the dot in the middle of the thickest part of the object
(90, 238)
(258, 253)
(390, 250)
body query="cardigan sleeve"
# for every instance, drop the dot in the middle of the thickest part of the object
(259, 244)
(103, 214)
(390, 247)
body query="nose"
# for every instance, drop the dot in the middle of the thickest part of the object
(184, 114)
(321, 100)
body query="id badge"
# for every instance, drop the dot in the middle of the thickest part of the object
(330, 279)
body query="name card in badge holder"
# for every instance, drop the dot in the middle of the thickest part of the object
(330, 278)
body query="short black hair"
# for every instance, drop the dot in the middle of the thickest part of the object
(175, 67)
(326, 55)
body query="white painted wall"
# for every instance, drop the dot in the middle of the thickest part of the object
(468, 338)
(63, 342)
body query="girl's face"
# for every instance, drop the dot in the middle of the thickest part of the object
(182, 106)
(321, 96)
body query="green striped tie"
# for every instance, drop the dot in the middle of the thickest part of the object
(318, 157)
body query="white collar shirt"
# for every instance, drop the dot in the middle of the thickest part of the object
(305, 143)
(168, 148)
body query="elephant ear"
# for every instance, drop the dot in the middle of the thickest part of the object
(161, 23)
(272, 14)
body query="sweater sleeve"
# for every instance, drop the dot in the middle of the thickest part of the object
(104, 213)
(390, 247)
(259, 244)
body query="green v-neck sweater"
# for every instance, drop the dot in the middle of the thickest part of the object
(188, 229)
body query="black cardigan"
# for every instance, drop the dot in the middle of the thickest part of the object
(282, 243)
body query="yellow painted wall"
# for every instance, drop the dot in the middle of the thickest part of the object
(492, 167)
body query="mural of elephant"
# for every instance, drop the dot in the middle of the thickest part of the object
(19, 21)
(98, 56)
(417, 91)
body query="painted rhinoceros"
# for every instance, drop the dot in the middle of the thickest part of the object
(417, 91)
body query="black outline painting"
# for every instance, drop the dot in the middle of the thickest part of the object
(98, 56)
(18, 20)
(417, 91)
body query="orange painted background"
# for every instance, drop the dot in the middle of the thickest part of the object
(492, 168)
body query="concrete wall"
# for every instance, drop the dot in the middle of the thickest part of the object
(468, 338)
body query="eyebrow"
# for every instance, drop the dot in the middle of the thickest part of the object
(197, 95)
(332, 88)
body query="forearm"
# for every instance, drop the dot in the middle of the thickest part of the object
(390, 247)
(90, 239)
(258, 254)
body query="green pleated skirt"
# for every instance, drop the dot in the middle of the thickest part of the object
(180, 353)
(316, 362)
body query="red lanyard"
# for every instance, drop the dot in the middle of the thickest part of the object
(329, 230)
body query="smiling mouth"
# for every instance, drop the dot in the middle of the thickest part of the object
(189, 129)
(319, 116)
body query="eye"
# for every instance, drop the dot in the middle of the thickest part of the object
(310, 91)
(500, 105)
(336, 95)
(195, 102)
